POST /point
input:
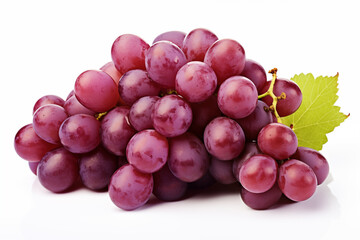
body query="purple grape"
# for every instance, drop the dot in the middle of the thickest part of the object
(147, 151)
(96, 90)
(48, 99)
(58, 170)
(80, 133)
(175, 37)
(261, 201)
(167, 187)
(255, 72)
(140, 113)
(33, 167)
(315, 160)
(171, 116)
(197, 42)
(188, 159)
(129, 188)
(203, 113)
(128, 53)
(96, 168)
(226, 57)
(110, 69)
(237, 97)
(258, 173)
(72, 106)
(195, 81)
(205, 181)
(292, 100)
(29, 146)
(222, 171)
(47, 121)
(253, 123)
(224, 138)
(277, 140)
(122, 161)
(163, 60)
(297, 180)
(135, 84)
(251, 148)
(116, 130)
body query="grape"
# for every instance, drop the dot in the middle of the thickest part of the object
(255, 72)
(226, 57)
(110, 69)
(128, 53)
(171, 116)
(203, 113)
(253, 123)
(315, 160)
(129, 188)
(224, 138)
(140, 113)
(163, 60)
(48, 99)
(250, 149)
(297, 180)
(175, 37)
(293, 94)
(116, 130)
(167, 187)
(222, 171)
(122, 161)
(58, 170)
(258, 173)
(237, 97)
(205, 181)
(33, 167)
(80, 133)
(261, 201)
(72, 106)
(72, 93)
(195, 81)
(197, 42)
(30, 146)
(135, 84)
(47, 121)
(277, 140)
(96, 90)
(188, 159)
(96, 168)
(147, 151)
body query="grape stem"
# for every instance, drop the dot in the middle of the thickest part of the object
(98, 116)
(270, 92)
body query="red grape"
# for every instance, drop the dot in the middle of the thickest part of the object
(129, 188)
(297, 180)
(29, 146)
(128, 53)
(96, 90)
(226, 57)
(224, 138)
(277, 140)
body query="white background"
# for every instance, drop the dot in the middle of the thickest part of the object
(45, 45)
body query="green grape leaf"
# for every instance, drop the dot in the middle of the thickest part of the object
(317, 114)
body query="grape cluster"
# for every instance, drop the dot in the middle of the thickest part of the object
(185, 112)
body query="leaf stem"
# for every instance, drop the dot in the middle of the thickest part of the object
(270, 92)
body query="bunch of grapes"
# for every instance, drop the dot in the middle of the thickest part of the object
(185, 112)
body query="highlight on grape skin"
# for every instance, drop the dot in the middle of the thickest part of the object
(168, 119)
